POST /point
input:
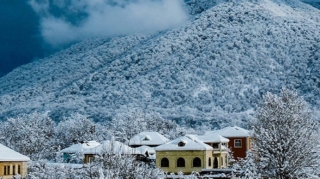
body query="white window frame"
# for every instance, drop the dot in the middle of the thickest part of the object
(237, 141)
(91, 159)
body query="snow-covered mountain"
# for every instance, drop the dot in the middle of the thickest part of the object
(214, 68)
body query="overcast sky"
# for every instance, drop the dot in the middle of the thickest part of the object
(33, 29)
(19, 36)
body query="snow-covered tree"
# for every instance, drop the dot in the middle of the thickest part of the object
(75, 129)
(247, 167)
(285, 136)
(112, 163)
(29, 134)
(125, 126)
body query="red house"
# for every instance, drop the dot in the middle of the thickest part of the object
(239, 140)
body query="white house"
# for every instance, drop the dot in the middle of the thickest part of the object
(78, 148)
(151, 139)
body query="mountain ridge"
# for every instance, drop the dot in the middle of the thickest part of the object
(214, 68)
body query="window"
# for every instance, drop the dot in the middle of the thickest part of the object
(209, 160)
(8, 170)
(19, 171)
(164, 162)
(146, 138)
(226, 159)
(181, 144)
(215, 162)
(215, 145)
(14, 169)
(5, 170)
(196, 162)
(181, 162)
(237, 143)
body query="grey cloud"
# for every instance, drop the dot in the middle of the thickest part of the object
(60, 24)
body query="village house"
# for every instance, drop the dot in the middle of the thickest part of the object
(80, 148)
(186, 154)
(151, 139)
(107, 147)
(88, 150)
(144, 143)
(239, 140)
(12, 163)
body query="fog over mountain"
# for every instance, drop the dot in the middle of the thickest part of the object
(67, 21)
(214, 68)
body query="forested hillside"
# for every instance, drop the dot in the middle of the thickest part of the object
(214, 68)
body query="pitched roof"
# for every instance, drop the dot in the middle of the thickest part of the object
(7, 155)
(234, 131)
(212, 138)
(80, 147)
(110, 147)
(188, 142)
(148, 138)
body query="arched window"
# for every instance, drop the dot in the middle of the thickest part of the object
(196, 162)
(181, 162)
(209, 161)
(164, 162)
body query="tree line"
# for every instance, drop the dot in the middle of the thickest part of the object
(284, 140)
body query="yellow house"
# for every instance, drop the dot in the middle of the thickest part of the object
(185, 154)
(12, 163)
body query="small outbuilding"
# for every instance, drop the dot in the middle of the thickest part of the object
(79, 148)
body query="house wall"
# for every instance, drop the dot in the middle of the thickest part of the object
(87, 157)
(239, 152)
(221, 159)
(188, 156)
(23, 169)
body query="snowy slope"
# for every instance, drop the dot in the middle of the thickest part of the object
(214, 68)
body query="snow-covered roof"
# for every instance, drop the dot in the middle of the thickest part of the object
(65, 165)
(234, 131)
(80, 147)
(188, 142)
(148, 138)
(212, 138)
(110, 147)
(143, 149)
(9, 155)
